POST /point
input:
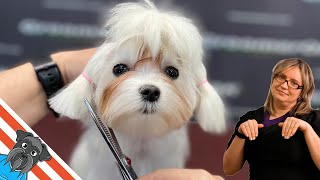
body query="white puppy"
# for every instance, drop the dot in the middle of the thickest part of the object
(146, 81)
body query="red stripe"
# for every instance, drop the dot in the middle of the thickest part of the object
(10, 120)
(52, 162)
(4, 138)
(9, 143)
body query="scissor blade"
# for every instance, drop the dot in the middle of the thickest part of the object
(123, 174)
(111, 139)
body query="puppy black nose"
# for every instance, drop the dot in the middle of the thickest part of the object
(150, 93)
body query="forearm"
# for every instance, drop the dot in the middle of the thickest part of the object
(233, 158)
(21, 90)
(180, 174)
(313, 142)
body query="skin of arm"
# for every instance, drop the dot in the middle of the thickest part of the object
(233, 158)
(180, 174)
(22, 91)
(313, 143)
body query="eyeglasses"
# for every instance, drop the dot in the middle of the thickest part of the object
(291, 83)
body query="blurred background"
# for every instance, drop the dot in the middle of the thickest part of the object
(243, 41)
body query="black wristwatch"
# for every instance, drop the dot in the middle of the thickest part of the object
(241, 136)
(50, 78)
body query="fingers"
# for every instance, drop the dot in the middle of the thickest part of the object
(289, 127)
(284, 129)
(251, 125)
(280, 124)
(260, 126)
(244, 129)
(292, 130)
(250, 129)
(254, 129)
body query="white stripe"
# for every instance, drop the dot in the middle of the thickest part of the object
(48, 170)
(28, 129)
(32, 176)
(8, 130)
(64, 165)
(3, 148)
(15, 116)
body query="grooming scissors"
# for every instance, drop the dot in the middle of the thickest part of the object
(123, 162)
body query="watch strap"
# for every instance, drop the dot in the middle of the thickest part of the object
(50, 78)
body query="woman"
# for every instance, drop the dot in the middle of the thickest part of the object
(281, 139)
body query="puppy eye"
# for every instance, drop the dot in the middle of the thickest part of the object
(33, 153)
(172, 72)
(24, 145)
(120, 69)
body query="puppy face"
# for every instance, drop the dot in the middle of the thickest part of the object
(141, 94)
(27, 152)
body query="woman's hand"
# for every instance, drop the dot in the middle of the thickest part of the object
(291, 125)
(71, 63)
(250, 129)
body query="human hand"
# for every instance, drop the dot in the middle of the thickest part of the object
(291, 125)
(71, 63)
(180, 174)
(250, 129)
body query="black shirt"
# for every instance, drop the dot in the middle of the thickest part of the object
(271, 157)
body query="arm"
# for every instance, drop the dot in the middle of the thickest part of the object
(180, 174)
(313, 142)
(233, 158)
(21, 90)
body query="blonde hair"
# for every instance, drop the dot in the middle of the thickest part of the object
(303, 105)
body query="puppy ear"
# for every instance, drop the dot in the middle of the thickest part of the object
(44, 156)
(70, 101)
(210, 111)
(21, 135)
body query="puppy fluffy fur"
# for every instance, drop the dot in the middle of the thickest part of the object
(151, 45)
